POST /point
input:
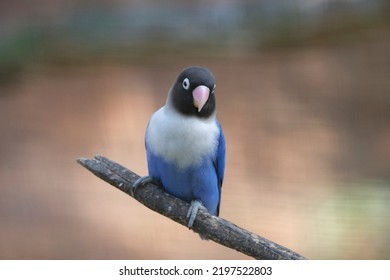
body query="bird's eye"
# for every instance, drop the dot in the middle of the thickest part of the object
(186, 83)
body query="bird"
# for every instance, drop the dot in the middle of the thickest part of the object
(185, 144)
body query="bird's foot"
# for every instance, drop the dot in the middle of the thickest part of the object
(192, 211)
(142, 181)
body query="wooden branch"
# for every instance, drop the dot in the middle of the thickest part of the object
(214, 228)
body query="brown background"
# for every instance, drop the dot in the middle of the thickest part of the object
(306, 120)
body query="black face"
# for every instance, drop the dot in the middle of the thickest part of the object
(185, 83)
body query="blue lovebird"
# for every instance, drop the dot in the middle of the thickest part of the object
(185, 145)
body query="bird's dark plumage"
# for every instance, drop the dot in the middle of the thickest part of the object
(182, 98)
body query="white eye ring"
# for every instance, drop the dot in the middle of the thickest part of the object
(186, 84)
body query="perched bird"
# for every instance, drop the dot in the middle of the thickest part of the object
(185, 144)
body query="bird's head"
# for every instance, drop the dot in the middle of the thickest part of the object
(192, 94)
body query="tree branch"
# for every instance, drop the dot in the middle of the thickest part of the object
(215, 228)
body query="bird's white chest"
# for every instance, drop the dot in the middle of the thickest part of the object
(183, 141)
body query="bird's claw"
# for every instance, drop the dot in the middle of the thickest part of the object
(142, 181)
(192, 211)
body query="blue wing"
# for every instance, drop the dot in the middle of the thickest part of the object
(219, 162)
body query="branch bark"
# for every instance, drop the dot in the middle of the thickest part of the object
(215, 228)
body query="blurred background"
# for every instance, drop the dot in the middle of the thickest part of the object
(303, 94)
